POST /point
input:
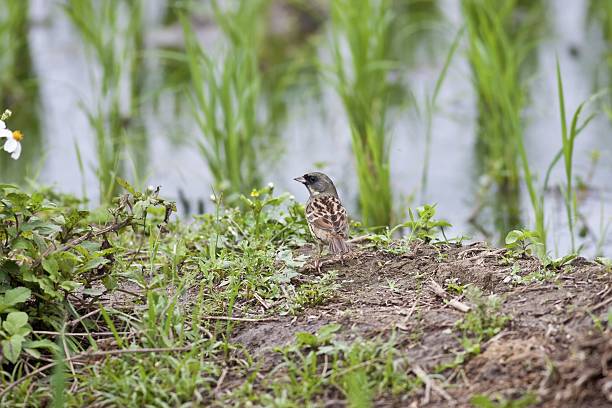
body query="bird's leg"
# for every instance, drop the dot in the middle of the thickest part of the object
(317, 264)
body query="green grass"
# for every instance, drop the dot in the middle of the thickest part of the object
(485, 319)
(361, 67)
(360, 370)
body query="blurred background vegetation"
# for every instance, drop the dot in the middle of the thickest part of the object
(402, 102)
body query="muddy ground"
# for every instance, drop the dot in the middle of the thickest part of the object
(551, 347)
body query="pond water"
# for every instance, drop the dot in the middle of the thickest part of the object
(316, 130)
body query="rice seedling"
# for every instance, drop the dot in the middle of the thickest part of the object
(499, 43)
(569, 135)
(361, 67)
(568, 139)
(227, 98)
(113, 33)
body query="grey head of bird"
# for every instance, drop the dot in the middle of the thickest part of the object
(317, 183)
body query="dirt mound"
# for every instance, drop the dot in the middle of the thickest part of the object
(555, 346)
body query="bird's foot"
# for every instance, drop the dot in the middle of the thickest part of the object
(317, 264)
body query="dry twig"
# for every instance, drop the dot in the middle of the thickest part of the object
(437, 289)
(430, 384)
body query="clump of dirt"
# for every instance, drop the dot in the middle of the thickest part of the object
(586, 374)
(551, 348)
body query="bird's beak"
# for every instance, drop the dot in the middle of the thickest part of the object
(300, 180)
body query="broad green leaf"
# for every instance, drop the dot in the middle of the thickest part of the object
(11, 348)
(14, 296)
(514, 236)
(22, 243)
(50, 265)
(42, 227)
(93, 264)
(14, 321)
(69, 285)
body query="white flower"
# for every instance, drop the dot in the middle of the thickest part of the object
(13, 140)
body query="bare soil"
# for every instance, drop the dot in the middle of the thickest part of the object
(550, 348)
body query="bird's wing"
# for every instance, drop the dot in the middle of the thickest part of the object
(326, 212)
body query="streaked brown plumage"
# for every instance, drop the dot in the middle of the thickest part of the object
(327, 218)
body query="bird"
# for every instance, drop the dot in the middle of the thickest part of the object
(326, 216)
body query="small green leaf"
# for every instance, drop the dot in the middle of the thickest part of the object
(306, 339)
(11, 348)
(123, 183)
(33, 352)
(42, 227)
(14, 296)
(481, 401)
(14, 321)
(325, 332)
(93, 264)
(513, 236)
(50, 265)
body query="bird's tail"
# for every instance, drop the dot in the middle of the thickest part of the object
(337, 245)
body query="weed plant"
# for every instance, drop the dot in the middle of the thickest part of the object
(361, 66)
(485, 320)
(113, 33)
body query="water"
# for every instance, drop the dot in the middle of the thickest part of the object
(316, 130)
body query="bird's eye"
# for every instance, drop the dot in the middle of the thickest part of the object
(309, 178)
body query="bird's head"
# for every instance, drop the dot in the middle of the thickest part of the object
(317, 183)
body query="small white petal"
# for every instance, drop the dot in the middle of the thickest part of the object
(2, 124)
(15, 155)
(6, 133)
(10, 145)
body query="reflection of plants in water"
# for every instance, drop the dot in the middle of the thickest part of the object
(500, 39)
(362, 29)
(112, 30)
(18, 89)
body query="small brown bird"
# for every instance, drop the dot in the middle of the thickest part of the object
(327, 219)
